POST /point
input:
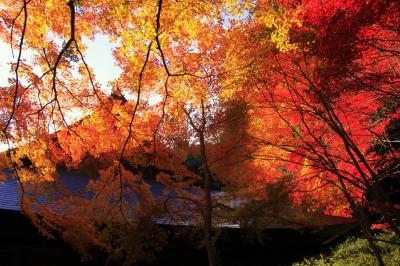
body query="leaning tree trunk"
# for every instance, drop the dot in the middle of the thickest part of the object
(382, 201)
(364, 222)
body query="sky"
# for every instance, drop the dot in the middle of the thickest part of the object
(98, 56)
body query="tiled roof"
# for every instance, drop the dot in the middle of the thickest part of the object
(76, 185)
(71, 184)
(9, 194)
(68, 184)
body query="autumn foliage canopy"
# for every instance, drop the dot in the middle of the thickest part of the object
(243, 95)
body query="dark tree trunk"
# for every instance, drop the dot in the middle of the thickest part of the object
(207, 213)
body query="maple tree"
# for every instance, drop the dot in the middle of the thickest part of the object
(324, 96)
(266, 93)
